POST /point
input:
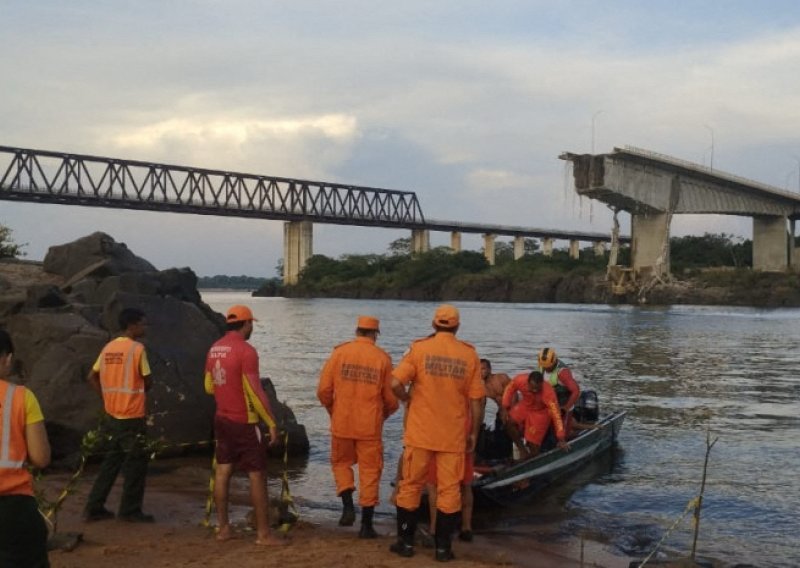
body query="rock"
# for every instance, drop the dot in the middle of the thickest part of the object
(287, 423)
(44, 296)
(88, 252)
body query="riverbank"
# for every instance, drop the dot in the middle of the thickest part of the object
(176, 495)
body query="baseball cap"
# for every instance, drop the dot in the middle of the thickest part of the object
(446, 316)
(368, 322)
(239, 313)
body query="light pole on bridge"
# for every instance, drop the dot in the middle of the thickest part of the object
(711, 160)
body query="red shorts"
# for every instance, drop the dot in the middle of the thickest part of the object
(469, 470)
(537, 423)
(240, 444)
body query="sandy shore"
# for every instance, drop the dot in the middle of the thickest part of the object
(177, 539)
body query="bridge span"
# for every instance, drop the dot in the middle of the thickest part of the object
(653, 187)
(40, 176)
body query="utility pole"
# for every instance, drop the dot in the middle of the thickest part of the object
(711, 161)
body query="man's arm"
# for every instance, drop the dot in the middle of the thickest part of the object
(325, 387)
(256, 395)
(565, 378)
(390, 402)
(94, 381)
(399, 390)
(476, 406)
(144, 369)
(36, 441)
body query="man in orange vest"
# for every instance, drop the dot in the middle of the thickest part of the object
(355, 388)
(446, 378)
(534, 412)
(23, 442)
(121, 376)
(232, 376)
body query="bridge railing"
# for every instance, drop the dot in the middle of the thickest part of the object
(43, 176)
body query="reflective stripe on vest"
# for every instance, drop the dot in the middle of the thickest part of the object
(127, 374)
(5, 442)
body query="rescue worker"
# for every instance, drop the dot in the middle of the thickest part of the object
(232, 376)
(559, 376)
(23, 442)
(535, 411)
(445, 375)
(121, 376)
(355, 388)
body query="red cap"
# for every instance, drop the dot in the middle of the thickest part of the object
(239, 313)
(446, 316)
(369, 323)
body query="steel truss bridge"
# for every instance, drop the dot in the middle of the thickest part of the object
(42, 176)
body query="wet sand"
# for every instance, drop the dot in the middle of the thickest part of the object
(177, 539)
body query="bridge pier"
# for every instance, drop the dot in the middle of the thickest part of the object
(650, 243)
(298, 244)
(599, 248)
(574, 249)
(519, 247)
(455, 241)
(770, 244)
(420, 240)
(547, 246)
(488, 247)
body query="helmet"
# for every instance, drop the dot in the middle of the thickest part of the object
(547, 358)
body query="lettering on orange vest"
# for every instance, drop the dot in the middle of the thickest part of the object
(121, 379)
(15, 479)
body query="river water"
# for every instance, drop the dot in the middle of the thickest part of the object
(679, 372)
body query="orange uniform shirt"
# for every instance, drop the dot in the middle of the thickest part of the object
(445, 373)
(355, 386)
(544, 400)
(122, 365)
(18, 408)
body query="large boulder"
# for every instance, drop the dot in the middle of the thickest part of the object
(59, 330)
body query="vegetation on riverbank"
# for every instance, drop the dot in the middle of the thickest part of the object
(232, 282)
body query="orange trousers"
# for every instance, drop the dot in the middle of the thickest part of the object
(368, 454)
(449, 474)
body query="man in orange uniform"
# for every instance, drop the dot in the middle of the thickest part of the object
(445, 375)
(23, 441)
(121, 375)
(355, 388)
(535, 411)
(232, 376)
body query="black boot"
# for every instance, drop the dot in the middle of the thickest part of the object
(406, 527)
(367, 530)
(445, 525)
(348, 511)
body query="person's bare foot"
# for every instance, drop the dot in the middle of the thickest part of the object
(224, 533)
(271, 540)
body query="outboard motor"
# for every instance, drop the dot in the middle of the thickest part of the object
(587, 409)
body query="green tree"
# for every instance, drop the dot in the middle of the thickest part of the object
(8, 248)
(400, 247)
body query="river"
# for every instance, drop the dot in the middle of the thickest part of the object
(679, 372)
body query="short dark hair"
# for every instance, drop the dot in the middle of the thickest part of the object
(129, 317)
(235, 325)
(487, 363)
(6, 345)
(536, 377)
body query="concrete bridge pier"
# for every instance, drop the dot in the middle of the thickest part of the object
(574, 249)
(298, 244)
(547, 246)
(488, 247)
(519, 247)
(455, 241)
(420, 240)
(599, 248)
(650, 243)
(770, 243)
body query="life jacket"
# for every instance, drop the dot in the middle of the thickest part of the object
(562, 392)
(15, 479)
(121, 380)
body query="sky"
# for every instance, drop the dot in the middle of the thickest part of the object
(467, 103)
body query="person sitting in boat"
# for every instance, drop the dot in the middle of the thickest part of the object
(559, 376)
(495, 384)
(533, 414)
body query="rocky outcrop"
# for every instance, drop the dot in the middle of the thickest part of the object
(61, 321)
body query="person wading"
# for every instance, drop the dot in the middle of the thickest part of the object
(23, 443)
(121, 376)
(232, 377)
(355, 389)
(446, 379)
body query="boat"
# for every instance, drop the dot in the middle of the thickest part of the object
(511, 483)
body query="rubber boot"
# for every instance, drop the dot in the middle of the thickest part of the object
(406, 527)
(445, 525)
(348, 517)
(367, 530)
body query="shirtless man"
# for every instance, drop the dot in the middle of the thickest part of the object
(495, 384)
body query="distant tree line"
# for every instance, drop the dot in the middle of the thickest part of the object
(231, 282)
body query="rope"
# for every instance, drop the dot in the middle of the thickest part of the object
(690, 506)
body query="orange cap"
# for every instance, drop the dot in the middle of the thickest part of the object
(369, 323)
(239, 313)
(446, 316)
